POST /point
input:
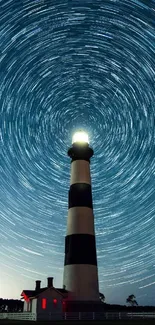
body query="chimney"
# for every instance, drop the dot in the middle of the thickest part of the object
(37, 285)
(50, 282)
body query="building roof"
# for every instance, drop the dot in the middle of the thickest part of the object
(35, 293)
(32, 293)
(61, 290)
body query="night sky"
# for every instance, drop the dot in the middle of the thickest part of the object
(64, 66)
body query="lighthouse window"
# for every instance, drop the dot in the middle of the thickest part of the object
(43, 303)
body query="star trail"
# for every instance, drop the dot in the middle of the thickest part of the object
(64, 66)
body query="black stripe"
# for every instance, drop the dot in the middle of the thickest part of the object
(80, 249)
(80, 152)
(80, 195)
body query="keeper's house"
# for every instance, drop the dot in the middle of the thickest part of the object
(44, 301)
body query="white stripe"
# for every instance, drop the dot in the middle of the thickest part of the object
(80, 221)
(81, 280)
(80, 172)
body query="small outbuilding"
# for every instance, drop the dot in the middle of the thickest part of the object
(45, 302)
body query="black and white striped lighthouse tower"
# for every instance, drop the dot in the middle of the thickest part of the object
(80, 266)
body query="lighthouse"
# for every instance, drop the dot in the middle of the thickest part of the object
(80, 276)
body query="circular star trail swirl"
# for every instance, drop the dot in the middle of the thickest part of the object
(66, 65)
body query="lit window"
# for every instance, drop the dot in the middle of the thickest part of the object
(64, 306)
(43, 303)
(55, 301)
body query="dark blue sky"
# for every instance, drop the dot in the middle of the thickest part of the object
(66, 65)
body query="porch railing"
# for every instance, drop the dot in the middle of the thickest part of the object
(19, 316)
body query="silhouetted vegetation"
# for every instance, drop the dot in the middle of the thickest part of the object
(102, 297)
(15, 305)
(10, 305)
(132, 300)
(115, 308)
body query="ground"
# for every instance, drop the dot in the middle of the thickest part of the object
(106, 322)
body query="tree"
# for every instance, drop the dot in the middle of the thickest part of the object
(132, 300)
(102, 297)
(10, 305)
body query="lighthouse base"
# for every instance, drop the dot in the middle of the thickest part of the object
(83, 306)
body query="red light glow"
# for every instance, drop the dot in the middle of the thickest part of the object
(55, 301)
(26, 298)
(43, 303)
